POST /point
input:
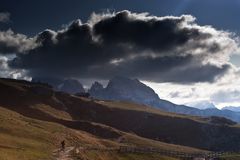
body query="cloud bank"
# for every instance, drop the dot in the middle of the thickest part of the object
(12, 43)
(7, 72)
(157, 49)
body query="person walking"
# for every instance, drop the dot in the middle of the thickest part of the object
(63, 145)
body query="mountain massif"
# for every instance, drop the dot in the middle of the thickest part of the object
(132, 90)
(125, 89)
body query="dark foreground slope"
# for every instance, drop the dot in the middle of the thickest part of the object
(24, 136)
(110, 121)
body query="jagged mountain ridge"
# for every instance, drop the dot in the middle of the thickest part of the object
(125, 89)
(71, 86)
(120, 88)
(202, 105)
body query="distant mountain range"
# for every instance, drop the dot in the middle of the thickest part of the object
(71, 86)
(202, 105)
(126, 89)
(235, 109)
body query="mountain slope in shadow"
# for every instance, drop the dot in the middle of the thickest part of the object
(110, 119)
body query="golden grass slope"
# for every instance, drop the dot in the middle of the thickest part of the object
(29, 139)
(34, 120)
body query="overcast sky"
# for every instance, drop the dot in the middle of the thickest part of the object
(186, 50)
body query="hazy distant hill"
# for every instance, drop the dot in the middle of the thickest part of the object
(202, 105)
(235, 109)
(71, 86)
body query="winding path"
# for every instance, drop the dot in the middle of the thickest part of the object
(63, 155)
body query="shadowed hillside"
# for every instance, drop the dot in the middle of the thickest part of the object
(39, 116)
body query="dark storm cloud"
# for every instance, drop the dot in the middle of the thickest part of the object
(154, 34)
(165, 69)
(160, 49)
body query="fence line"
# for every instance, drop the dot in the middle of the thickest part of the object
(176, 154)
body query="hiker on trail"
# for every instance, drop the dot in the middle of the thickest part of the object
(63, 145)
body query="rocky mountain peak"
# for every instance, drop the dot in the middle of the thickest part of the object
(71, 86)
(96, 86)
(122, 88)
(202, 105)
